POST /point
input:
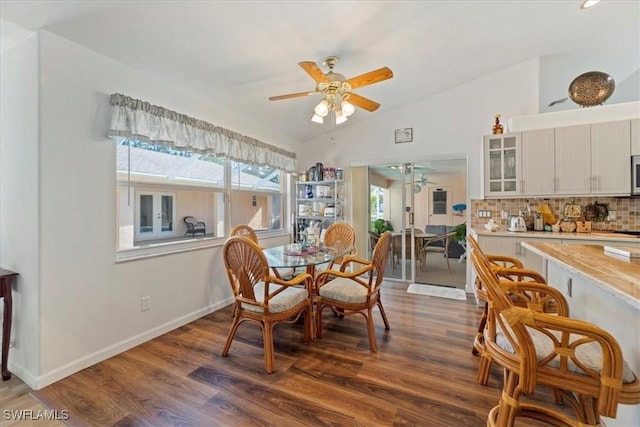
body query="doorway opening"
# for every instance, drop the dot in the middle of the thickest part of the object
(417, 201)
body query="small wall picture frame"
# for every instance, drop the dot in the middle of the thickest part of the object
(404, 135)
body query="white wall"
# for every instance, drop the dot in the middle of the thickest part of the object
(19, 188)
(89, 306)
(558, 71)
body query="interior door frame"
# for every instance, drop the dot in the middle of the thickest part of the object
(360, 217)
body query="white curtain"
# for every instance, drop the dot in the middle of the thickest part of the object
(136, 119)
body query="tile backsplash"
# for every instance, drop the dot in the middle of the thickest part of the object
(627, 210)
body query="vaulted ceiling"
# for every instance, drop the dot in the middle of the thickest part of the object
(238, 53)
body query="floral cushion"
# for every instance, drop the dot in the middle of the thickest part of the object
(284, 301)
(589, 354)
(343, 289)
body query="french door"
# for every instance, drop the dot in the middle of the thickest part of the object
(408, 250)
(397, 207)
(155, 215)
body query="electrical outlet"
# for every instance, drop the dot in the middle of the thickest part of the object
(145, 304)
(484, 214)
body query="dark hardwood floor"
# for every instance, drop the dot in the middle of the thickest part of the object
(423, 374)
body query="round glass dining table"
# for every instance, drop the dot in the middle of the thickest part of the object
(285, 256)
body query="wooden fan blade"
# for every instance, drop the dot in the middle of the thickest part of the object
(362, 102)
(291, 95)
(371, 77)
(314, 71)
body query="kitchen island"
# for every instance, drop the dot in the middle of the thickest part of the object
(603, 290)
(511, 243)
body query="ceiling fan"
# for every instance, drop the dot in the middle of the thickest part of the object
(418, 184)
(424, 180)
(337, 91)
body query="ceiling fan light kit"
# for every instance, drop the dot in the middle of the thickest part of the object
(337, 91)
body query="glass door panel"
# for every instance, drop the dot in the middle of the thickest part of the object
(146, 214)
(166, 224)
(495, 164)
(510, 164)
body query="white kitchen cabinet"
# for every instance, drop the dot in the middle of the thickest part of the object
(593, 159)
(512, 246)
(538, 162)
(573, 160)
(610, 157)
(502, 165)
(635, 137)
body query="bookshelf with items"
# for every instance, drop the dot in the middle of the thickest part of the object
(318, 205)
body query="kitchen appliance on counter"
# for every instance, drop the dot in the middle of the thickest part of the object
(538, 224)
(517, 223)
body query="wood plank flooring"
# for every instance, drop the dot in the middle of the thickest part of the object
(423, 374)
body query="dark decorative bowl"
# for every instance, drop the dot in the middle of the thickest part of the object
(592, 88)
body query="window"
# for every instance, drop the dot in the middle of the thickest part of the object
(377, 202)
(158, 185)
(257, 196)
(439, 202)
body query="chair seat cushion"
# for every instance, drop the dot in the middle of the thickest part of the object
(284, 301)
(433, 249)
(343, 289)
(589, 354)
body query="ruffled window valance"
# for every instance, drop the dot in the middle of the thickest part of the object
(136, 119)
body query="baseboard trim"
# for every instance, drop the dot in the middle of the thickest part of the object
(81, 363)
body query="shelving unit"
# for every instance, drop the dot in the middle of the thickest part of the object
(318, 201)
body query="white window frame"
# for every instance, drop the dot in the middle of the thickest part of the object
(132, 185)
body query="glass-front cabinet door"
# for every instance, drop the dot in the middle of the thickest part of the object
(155, 215)
(502, 165)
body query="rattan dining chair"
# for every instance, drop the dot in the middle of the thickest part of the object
(356, 291)
(530, 290)
(248, 231)
(396, 248)
(579, 361)
(262, 298)
(438, 245)
(343, 234)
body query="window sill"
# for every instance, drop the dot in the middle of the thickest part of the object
(167, 248)
(153, 250)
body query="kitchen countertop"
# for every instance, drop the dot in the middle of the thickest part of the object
(617, 276)
(595, 235)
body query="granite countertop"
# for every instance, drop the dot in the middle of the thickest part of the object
(604, 236)
(618, 276)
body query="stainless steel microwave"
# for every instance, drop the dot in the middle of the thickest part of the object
(635, 175)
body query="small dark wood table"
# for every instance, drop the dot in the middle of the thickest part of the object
(6, 279)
